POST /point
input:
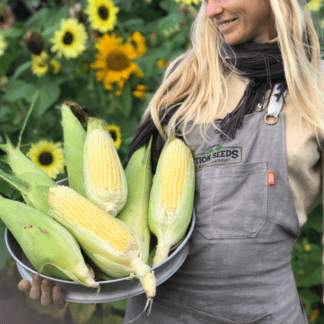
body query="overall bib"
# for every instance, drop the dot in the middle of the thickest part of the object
(238, 270)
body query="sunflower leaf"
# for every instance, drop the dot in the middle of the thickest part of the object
(124, 102)
(49, 92)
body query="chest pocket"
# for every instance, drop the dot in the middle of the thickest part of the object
(232, 200)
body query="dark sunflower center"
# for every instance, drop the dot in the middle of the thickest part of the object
(113, 135)
(2, 20)
(45, 158)
(68, 38)
(103, 12)
(117, 61)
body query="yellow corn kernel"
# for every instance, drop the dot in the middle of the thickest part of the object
(83, 212)
(174, 173)
(100, 151)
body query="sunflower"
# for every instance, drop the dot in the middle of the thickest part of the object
(114, 61)
(70, 41)
(3, 45)
(189, 2)
(34, 42)
(139, 40)
(55, 66)
(39, 64)
(115, 134)
(314, 315)
(102, 14)
(48, 156)
(140, 91)
(314, 5)
(161, 64)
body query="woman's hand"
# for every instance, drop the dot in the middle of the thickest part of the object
(42, 289)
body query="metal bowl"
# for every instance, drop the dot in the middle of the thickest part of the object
(110, 290)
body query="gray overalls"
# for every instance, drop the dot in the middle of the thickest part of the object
(239, 265)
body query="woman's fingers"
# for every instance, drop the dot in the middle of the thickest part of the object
(35, 291)
(46, 287)
(42, 289)
(57, 298)
(24, 285)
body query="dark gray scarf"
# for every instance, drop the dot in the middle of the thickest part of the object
(261, 63)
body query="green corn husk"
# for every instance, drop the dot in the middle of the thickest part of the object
(139, 181)
(50, 248)
(74, 137)
(34, 196)
(26, 170)
(170, 226)
(110, 200)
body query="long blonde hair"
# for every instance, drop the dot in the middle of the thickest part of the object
(200, 76)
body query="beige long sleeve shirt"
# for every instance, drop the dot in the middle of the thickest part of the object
(303, 152)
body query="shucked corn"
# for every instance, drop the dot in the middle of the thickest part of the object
(171, 197)
(110, 244)
(174, 173)
(104, 176)
(81, 212)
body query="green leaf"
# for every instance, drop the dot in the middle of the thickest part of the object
(133, 24)
(11, 32)
(169, 6)
(17, 89)
(124, 102)
(4, 255)
(170, 21)
(53, 20)
(306, 294)
(5, 113)
(314, 220)
(49, 92)
(21, 69)
(37, 20)
(6, 60)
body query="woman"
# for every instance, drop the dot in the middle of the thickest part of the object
(252, 87)
(256, 191)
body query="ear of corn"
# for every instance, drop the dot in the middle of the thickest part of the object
(171, 197)
(25, 169)
(139, 180)
(74, 137)
(113, 247)
(50, 248)
(104, 176)
(34, 196)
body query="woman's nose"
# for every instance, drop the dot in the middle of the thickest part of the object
(213, 8)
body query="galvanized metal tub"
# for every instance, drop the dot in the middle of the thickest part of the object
(110, 290)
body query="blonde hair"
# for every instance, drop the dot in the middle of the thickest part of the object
(200, 74)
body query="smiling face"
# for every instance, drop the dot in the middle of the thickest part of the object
(253, 20)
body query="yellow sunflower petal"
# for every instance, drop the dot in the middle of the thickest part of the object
(115, 133)
(48, 156)
(70, 40)
(102, 15)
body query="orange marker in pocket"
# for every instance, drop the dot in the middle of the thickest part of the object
(271, 179)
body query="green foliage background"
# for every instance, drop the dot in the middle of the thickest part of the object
(156, 20)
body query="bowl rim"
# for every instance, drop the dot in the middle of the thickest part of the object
(174, 253)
